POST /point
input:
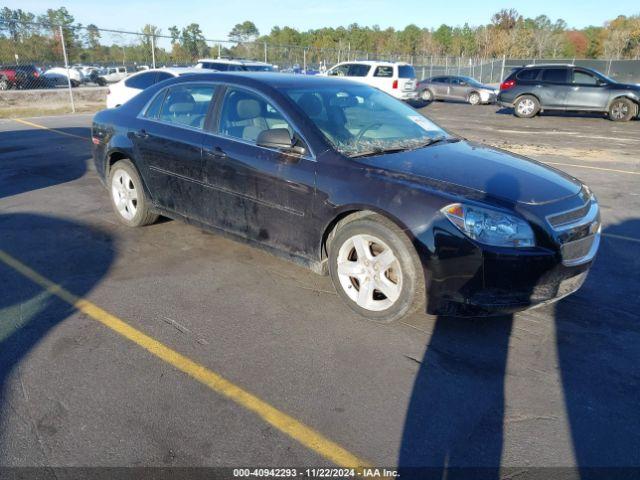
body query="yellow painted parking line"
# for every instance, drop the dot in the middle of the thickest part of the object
(594, 168)
(288, 425)
(621, 237)
(42, 127)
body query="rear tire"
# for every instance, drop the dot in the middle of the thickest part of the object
(128, 197)
(622, 110)
(474, 98)
(427, 95)
(375, 269)
(4, 83)
(526, 106)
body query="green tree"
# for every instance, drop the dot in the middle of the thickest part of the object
(244, 32)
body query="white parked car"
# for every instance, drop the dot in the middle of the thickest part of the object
(395, 78)
(234, 65)
(129, 87)
(61, 76)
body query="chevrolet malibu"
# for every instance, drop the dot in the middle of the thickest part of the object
(349, 181)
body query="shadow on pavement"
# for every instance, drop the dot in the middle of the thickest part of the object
(454, 423)
(33, 159)
(73, 255)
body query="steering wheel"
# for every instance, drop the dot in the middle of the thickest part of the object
(366, 128)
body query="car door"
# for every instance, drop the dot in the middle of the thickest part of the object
(458, 89)
(553, 87)
(169, 142)
(260, 193)
(441, 87)
(587, 91)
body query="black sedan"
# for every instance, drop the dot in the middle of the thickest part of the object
(345, 179)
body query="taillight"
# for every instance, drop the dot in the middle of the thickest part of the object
(36, 74)
(507, 84)
(395, 84)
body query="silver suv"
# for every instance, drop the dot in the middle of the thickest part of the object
(536, 88)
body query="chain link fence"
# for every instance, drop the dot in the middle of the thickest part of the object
(60, 68)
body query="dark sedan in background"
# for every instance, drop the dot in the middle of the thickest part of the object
(452, 87)
(349, 181)
(535, 88)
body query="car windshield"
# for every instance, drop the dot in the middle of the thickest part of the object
(472, 81)
(359, 120)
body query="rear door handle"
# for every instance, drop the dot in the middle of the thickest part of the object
(215, 152)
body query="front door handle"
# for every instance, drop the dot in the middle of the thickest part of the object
(142, 133)
(215, 152)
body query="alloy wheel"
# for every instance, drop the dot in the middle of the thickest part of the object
(474, 99)
(124, 194)
(369, 272)
(426, 95)
(619, 110)
(526, 107)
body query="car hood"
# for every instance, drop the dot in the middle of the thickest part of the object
(491, 172)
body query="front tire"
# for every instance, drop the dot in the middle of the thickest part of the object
(526, 106)
(375, 269)
(128, 197)
(622, 110)
(474, 98)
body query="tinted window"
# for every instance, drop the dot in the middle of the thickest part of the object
(141, 81)
(223, 67)
(258, 68)
(555, 75)
(154, 109)
(528, 74)
(584, 78)
(383, 72)
(187, 105)
(162, 76)
(358, 70)
(245, 115)
(406, 71)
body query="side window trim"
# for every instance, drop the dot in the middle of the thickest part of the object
(217, 110)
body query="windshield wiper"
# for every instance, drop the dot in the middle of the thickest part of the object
(408, 148)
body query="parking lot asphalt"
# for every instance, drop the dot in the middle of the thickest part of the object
(557, 386)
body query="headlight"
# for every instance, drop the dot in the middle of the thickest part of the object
(490, 227)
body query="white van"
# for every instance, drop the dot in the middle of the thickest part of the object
(395, 78)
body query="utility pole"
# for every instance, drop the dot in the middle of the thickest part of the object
(66, 66)
(153, 51)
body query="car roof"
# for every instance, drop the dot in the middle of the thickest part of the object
(175, 71)
(271, 79)
(374, 62)
(234, 61)
(546, 65)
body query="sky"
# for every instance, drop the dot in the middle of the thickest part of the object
(216, 18)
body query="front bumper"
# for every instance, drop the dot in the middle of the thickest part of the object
(464, 278)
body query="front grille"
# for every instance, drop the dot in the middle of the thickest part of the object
(577, 249)
(569, 217)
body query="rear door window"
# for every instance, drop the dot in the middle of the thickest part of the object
(528, 74)
(555, 75)
(187, 105)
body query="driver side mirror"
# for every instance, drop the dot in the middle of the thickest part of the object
(279, 139)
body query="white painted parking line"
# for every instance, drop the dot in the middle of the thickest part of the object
(594, 168)
(621, 237)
